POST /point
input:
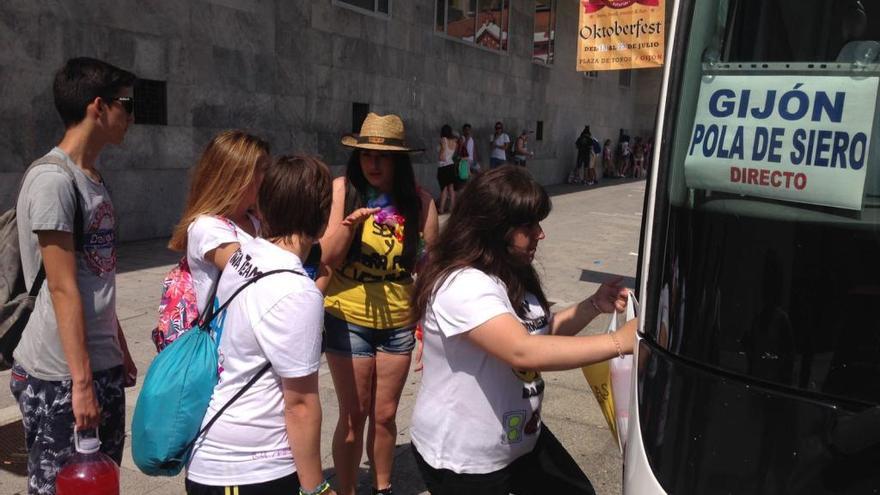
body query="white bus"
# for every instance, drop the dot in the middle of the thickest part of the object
(758, 362)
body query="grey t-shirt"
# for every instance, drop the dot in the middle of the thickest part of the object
(46, 202)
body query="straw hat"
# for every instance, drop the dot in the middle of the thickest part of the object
(380, 132)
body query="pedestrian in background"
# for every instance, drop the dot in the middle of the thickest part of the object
(521, 149)
(72, 362)
(447, 174)
(220, 211)
(268, 441)
(380, 223)
(580, 173)
(500, 143)
(469, 149)
(488, 333)
(609, 169)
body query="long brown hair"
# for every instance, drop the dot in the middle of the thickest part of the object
(219, 180)
(478, 234)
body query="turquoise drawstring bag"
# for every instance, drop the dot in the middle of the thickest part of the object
(175, 396)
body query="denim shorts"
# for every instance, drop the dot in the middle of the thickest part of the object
(342, 337)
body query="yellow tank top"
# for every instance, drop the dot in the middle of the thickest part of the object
(373, 290)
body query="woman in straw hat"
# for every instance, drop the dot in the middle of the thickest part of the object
(380, 221)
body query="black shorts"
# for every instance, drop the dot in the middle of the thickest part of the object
(446, 175)
(546, 469)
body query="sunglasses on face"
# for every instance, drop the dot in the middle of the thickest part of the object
(127, 103)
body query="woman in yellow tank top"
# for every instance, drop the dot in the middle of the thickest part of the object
(380, 221)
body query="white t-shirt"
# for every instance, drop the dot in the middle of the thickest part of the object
(447, 150)
(205, 234)
(498, 141)
(469, 146)
(474, 414)
(277, 319)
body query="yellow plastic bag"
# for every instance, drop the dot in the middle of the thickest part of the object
(598, 375)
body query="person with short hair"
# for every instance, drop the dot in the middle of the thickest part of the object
(72, 362)
(469, 149)
(500, 143)
(269, 440)
(220, 211)
(488, 334)
(381, 222)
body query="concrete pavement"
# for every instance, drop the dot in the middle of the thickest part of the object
(592, 235)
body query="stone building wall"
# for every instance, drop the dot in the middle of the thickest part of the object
(290, 70)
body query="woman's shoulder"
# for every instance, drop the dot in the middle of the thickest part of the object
(204, 223)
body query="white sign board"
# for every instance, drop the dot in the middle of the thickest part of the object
(793, 138)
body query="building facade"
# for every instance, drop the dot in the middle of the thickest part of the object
(302, 73)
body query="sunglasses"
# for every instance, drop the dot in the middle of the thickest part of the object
(127, 103)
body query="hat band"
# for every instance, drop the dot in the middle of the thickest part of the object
(381, 140)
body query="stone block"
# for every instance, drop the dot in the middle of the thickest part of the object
(337, 20)
(150, 57)
(247, 31)
(351, 53)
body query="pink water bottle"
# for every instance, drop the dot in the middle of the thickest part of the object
(88, 471)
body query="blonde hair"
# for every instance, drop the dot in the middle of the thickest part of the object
(220, 179)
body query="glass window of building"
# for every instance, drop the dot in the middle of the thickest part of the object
(545, 31)
(381, 7)
(479, 22)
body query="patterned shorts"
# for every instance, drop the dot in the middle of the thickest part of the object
(47, 415)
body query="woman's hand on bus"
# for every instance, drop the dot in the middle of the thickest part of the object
(358, 216)
(625, 336)
(611, 296)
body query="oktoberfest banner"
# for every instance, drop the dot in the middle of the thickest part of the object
(620, 34)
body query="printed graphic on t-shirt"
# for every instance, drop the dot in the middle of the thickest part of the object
(514, 424)
(99, 240)
(241, 263)
(378, 266)
(533, 384)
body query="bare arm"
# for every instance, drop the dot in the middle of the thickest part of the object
(59, 259)
(505, 338)
(302, 417)
(130, 378)
(340, 230)
(220, 255)
(430, 221)
(608, 298)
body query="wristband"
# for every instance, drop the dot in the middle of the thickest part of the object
(324, 487)
(593, 302)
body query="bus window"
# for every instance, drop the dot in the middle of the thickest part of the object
(757, 277)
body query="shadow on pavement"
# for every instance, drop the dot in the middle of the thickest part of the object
(595, 277)
(142, 255)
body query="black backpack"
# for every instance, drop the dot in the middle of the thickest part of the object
(17, 303)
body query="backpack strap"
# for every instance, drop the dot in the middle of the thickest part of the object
(51, 159)
(254, 378)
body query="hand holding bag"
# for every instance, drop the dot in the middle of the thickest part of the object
(610, 382)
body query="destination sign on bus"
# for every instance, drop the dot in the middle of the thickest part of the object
(793, 138)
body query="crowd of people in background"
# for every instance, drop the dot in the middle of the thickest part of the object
(363, 273)
(625, 161)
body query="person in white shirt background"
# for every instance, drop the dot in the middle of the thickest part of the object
(500, 142)
(468, 144)
(488, 333)
(219, 212)
(269, 440)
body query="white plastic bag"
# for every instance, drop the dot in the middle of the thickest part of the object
(621, 375)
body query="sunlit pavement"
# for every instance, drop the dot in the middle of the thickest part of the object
(592, 234)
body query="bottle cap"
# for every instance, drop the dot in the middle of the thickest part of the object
(88, 446)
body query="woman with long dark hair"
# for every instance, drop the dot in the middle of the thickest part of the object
(488, 333)
(380, 221)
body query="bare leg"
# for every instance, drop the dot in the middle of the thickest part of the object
(391, 372)
(353, 380)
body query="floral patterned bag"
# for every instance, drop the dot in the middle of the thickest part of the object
(178, 307)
